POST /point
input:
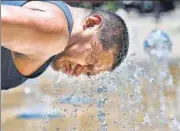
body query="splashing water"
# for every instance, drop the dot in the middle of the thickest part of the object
(141, 92)
(102, 92)
(158, 46)
(37, 106)
(124, 80)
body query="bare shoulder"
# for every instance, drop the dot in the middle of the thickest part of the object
(56, 14)
(44, 26)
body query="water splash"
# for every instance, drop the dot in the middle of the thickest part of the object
(102, 99)
(140, 105)
(130, 93)
(74, 99)
(158, 46)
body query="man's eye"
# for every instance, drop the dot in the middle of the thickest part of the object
(90, 67)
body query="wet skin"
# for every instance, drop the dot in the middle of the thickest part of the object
(80, 53)
(88, 62)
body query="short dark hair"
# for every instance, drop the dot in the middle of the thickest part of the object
(113, 34)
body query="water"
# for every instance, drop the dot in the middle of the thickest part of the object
(37, 106)
(145, 94)
(158, 46)
(102, 99)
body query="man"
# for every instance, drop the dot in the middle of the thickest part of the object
(74, 40)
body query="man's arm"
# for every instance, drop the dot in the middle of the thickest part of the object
(21, 26)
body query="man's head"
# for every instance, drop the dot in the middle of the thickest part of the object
(99, 42)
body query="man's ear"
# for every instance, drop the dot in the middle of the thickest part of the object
(93, 21)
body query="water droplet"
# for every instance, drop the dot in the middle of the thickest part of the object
(92, 116)
(152, 80)
(116, 122)
(85, 122)
(27, 90)
(57, 128)
(178, 127)
(74, 128)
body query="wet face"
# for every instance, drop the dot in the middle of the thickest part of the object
(84, 53)
(78, 60)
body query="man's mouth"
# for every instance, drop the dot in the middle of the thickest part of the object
(71, 69)
(68, 69)
(75, 70)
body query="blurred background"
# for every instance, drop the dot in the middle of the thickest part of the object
(127, 101)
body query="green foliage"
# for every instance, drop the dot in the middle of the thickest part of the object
(111, 5)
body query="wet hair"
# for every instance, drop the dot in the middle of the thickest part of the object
(113, 34)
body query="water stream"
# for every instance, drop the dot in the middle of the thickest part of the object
(148, 98)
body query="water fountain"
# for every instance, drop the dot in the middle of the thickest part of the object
(158, 46)
(36, 105)
(140, 106)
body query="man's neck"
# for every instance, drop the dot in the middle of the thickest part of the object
(78, 15)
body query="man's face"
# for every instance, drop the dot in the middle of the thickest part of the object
(87, 58)
(84, 53)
